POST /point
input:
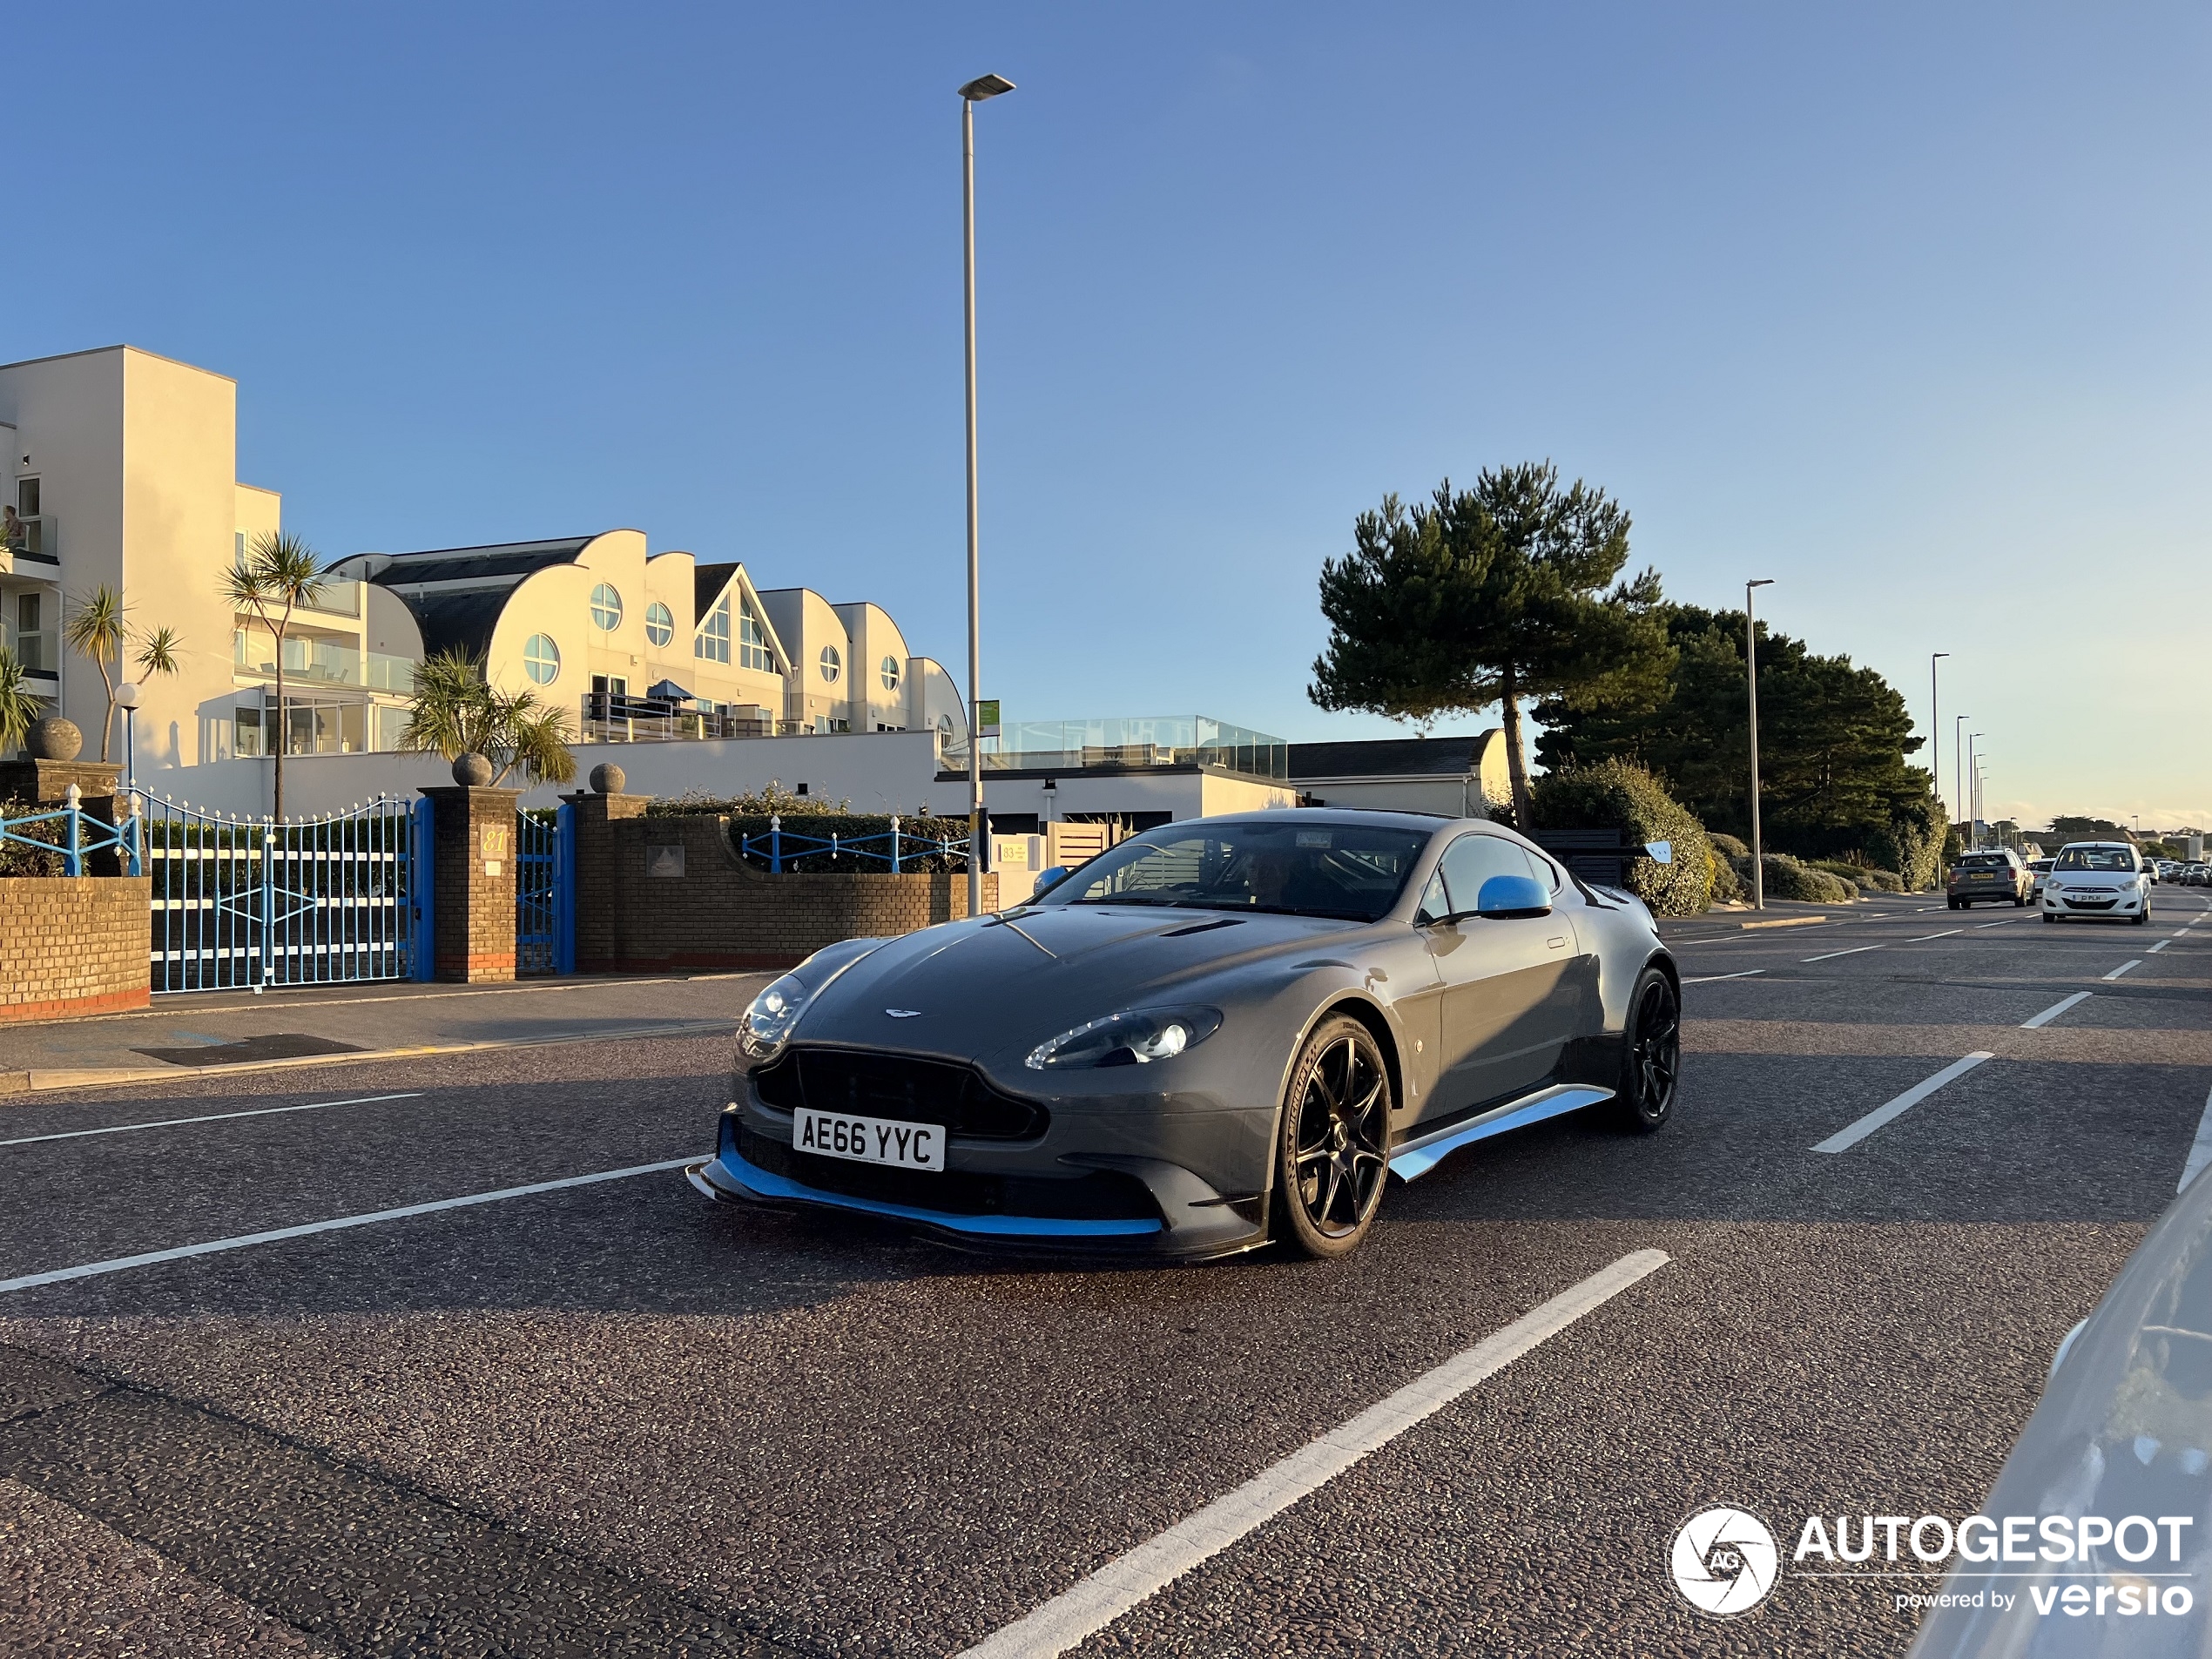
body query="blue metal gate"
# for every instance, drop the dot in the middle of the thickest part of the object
(242, 902)
(544, 891)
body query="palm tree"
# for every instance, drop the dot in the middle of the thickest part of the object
(453, 712)
(98, 629)
(19, 708)
(280, 572)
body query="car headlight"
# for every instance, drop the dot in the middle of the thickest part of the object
(768, 1019)
(1137, 1038)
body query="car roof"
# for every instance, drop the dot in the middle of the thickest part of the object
(1376, 817)
(2122, 847)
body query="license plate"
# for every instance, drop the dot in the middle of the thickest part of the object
(869, 1140)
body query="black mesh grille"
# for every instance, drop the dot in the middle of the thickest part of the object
(900, 1087)
(1101, 1195)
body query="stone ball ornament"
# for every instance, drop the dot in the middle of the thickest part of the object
(607, 779)
(54, 738)
(473, 771)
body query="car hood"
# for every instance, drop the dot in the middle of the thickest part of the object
(2093, 877)
(972, 989)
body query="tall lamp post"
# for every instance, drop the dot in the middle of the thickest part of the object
(1959, 765)
(1751, 683)
(1973, 789)
(1935, 724)
(984, 86)
(126, 698)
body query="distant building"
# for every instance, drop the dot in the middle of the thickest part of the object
(1456, 776)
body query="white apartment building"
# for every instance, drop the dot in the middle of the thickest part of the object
(121, 470)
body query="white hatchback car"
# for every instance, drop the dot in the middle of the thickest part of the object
(2102, 879)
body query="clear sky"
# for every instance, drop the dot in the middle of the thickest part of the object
(1902, 306)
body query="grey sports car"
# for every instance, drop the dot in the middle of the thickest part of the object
(1219, 1032)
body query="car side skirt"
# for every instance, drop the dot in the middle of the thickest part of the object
(1416, 1158)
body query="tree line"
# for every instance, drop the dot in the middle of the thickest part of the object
(1514, 589)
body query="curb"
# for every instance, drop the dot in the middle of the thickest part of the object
(1785, 921)
(45, 1080)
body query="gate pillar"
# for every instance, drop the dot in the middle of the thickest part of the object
(473, 874)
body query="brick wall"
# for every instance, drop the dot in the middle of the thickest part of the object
(473, 906)
(73, 945)
(721, 912)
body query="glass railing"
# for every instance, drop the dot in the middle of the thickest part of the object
(38, 538)
(317, 663)
(36, 650)
(1161, 740)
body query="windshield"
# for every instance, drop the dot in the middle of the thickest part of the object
(2117, 858)
(1290, 867)
(1984, 861)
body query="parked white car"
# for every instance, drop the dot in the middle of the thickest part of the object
(2100, 880)
(2040, 869)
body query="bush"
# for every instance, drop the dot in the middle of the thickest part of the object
(1787, 878)
(15, 859)
(1858, 875)
(1731, 849)
(1618, 794)
(1727, 886)
(752, 817)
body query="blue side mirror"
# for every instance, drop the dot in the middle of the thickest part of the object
(1051, 878)
(1506, 896)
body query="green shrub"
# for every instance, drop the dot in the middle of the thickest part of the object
(15, 859)
(1729, 848)
(1617, 794)
(752, 817)
(1727, 886)
(1858, 875)
(1805, 883)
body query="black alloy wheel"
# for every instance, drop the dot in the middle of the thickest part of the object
(1333, 1150)
(1651, 1053)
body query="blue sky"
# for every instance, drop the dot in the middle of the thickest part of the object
(1904, 306)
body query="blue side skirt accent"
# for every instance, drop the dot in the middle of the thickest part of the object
(1411, 1161)
(739, 1172)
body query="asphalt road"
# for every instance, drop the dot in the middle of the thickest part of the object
(611, 1418)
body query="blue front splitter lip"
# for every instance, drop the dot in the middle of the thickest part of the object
(742, 1179)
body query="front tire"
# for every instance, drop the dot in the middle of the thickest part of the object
(1650, 1054)
(1333, 1150)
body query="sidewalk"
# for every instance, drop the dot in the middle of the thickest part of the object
(311, 1024)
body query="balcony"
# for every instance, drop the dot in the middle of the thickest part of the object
(34, 549)
(1120, 744)
(309, 662)
(611, 717)
(37, 650)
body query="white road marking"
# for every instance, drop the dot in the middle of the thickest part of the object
(1845, 1138)
(1705, 979)
(121, 1263)
(2201, 1150)
(2054, 1010)
(1854, 951)
(2124, 967)
(1130, 1579)
(1946, 933)
(2160, 946)
(2007, 922)
(212, 1117)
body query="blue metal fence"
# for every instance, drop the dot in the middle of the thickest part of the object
(894, 848)
(245, 902)
(545, 890)
(72, 835)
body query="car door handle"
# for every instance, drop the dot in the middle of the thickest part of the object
(1556, 944)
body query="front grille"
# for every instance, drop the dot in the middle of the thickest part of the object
(899, 1087)
(1101, 1195)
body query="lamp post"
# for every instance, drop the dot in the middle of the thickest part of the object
(1935, 724)
(1958, 763)
(984, 86)
(126, 698)
(1751, 683)
(1973, 789)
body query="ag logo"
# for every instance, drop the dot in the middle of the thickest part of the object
(1724, 1561)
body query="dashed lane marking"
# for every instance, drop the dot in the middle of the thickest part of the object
(1854, 951)
(2125, 967)
(1845, 1138)
(1131, 1579)
(152, 1258)
(2054, 1010)
(2160, 946)
(212, 1117)
(1946, 933)
(1707, 979)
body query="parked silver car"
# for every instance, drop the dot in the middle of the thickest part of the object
(1221, 1031)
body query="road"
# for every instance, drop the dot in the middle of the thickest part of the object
(610, 1418)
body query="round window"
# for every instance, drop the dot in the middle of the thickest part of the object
(660, 622)
(833, 665)
(542, 659)
(606, 608)
(890, 673)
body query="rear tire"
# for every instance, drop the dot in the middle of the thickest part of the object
(1332, 1144)
(1650, 1054)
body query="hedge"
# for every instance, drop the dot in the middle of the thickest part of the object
(1787, 878)
(752, 817)
(1618, 794)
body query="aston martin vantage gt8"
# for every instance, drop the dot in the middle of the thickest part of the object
(1218, 1032)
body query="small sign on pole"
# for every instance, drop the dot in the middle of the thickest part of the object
(987, 718)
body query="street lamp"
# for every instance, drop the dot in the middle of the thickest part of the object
(126, 698)
(1973, 789)
(1935, 723)
(1751, 681)
(984, 86)
(1957, 751)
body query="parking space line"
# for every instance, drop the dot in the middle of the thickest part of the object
(122, 1263)
(2160, 946)
(2054, 1010)
(1854, 951)
(2201, 1149)
(1130, 1579)
(2125, 967)
(1845, 1138)
(212, 1117)
(1946, 933)
(1703, 979)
